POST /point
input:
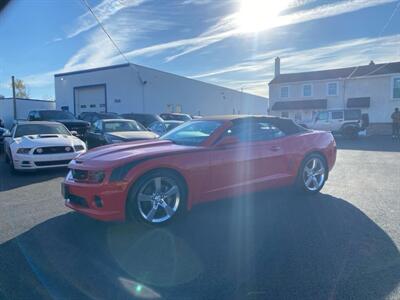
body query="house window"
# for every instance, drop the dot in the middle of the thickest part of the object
(396, 88)
(307, 90)
(285, 114)
(297, 116)
(284, 92)
(332, 89)
(178, 108)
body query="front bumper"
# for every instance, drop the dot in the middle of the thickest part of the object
(103, 201)
(34, 162)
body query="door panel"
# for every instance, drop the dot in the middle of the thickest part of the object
(246, 167)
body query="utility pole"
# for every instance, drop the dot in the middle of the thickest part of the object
(14, 99)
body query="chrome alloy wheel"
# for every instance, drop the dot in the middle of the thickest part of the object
(158, 199)
(314, 174)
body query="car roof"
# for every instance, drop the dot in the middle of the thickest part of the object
(37, 122)
(117, 120)
(233, 117)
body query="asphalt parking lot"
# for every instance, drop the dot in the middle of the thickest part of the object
(341, 244)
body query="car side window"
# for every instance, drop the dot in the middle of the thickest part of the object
(323, 116)
(97, 127)
(337, 115)
(254, 131)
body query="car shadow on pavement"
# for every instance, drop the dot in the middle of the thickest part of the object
(10, 181)
(271, 245)
(368, 143)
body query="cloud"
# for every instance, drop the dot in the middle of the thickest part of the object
(227, 27)
(103, 11)
(196, 2)
(259, 68)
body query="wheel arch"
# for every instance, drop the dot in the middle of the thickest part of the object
(165, 169)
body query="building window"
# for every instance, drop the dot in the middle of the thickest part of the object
(332, 88)
(284, 92)
(297, 116)
(396, 88)
(307, 90)
(285, 114)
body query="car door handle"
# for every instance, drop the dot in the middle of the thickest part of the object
(275, 148)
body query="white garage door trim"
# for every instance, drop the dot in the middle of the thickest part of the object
(76, 89)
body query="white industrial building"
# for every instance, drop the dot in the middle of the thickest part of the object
(23, 107)
(132, 88)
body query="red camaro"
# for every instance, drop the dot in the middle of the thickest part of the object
(199, 161)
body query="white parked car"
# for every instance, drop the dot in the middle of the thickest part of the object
(38, 145)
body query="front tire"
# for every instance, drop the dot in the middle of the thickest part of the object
(157, 198)
(312, 174)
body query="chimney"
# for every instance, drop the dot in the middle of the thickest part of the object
(371, 63)
(277, 66)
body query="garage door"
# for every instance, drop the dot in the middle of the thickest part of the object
(90, 99)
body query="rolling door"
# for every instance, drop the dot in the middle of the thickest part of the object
(90, 99)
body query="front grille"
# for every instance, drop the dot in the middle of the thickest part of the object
(52, 163)
(53, 150)
(79, 175)
(76, 200)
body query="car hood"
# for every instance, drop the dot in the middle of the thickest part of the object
(133, 135)
(117, 154)
(47, 140)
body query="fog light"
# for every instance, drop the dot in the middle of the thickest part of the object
(98, 201)
(39, 150)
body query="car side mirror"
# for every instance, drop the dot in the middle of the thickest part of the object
(227, 141)
(74, 133)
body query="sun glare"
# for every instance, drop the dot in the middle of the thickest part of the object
(258, 15)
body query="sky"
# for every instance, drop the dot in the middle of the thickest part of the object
(231, 43)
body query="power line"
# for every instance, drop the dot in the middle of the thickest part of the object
(111, 39)
(379, 35)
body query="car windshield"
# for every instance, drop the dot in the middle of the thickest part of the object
(109, 116)
(171, 125)
(117, 126)
(50, 115)
(192, 133)
(33, 129)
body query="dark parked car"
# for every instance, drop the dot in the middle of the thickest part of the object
(144, 119)
(92, 117)
(163, 127)
(64, 117)
(3, 131)
(113, 131)
(175, 117)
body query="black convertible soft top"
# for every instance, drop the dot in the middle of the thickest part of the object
(288, 126)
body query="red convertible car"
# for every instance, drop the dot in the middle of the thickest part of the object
(199, 161)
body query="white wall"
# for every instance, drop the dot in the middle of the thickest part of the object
(161, 89)
(378, 88)
(24, 106)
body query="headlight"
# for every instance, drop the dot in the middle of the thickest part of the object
(113, 140)
(23, 150)
(96, 176)
(79, 148)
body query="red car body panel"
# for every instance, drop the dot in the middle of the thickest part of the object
(210, 171)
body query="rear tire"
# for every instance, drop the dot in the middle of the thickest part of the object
(350, 132)
(157, 198)
(312, 174)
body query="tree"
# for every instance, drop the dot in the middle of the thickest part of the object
(20, 89)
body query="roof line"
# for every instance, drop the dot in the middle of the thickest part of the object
(92, 70)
